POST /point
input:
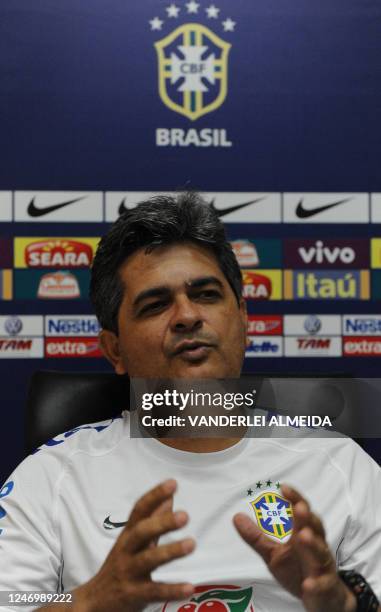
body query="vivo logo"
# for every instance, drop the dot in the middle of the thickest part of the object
(321, 254)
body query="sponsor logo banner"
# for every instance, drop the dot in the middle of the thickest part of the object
(214, 597)
(71, 325)
(54, 252)
(52, 206)
(119, 202)
(269, 325)
(312, 325)
(321, 346)
(262, 284)
(362, 346)
(375, 207)
(72, 347)
(6, 251)
(260, 253)
(6, 284)
(25, 325)
(265, 346)
(326, 208)
(361, 325)
(375, 252)
(51, 285)
(327, 253)
(245, 207)
(5, 206)
(326, 285)
(21, 348)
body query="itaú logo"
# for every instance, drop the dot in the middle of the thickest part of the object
(256, 286)
(58, 254)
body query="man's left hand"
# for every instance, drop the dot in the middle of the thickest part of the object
(304, 565)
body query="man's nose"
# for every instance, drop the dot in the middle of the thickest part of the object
(186, 315)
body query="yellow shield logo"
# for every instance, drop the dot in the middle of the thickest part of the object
(193, 70)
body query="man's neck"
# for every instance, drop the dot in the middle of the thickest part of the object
(200, 445)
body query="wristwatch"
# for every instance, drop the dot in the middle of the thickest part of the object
(366, 599)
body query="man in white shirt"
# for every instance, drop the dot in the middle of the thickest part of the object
(167, 291)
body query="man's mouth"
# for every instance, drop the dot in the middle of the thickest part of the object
(193, 351)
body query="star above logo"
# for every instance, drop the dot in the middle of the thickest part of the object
(229, 25)
(156, 23)
(173, 10)
(212, 11)
(192, 6)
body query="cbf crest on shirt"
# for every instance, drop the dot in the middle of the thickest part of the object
(274, 514)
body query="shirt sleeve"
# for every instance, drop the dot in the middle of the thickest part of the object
(30, 555)
(360, 549)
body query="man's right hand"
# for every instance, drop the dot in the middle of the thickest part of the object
(124, 580)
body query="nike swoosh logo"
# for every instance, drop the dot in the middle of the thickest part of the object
(34, 211)
(221, 212)
(107, 524)
(303, 213)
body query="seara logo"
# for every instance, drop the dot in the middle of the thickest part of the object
(192, 64)
(215, 598)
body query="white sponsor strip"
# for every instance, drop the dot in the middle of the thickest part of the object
(321, 346)
(326, 208)
(264, 346)
(118, 202)
(21, 348)
(246, 206)
(308, 325)
(21, 325)
(361, 325)
(375, 207)
(60, 206)
(5, 206)
(71, 325)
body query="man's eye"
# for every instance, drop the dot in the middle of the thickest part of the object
(209, 294)
(152, 307)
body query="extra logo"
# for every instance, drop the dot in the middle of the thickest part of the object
(362, 346)
(259, 325)
(215, 598)
(54, 252)
(192, 61)
(326, 285)
(72, 347)
(353, 253)
(263, 285)
(274, 514)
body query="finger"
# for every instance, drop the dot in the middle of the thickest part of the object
(152, 528)
(148, 560)
(314, 554)
(151, 501)
(303, 517)
(160, 591)
(165, 506)
(293, 495)
(253, 536)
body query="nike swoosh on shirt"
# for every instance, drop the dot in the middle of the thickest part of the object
(107, 524)
(34, 211)
(304, 213)
(221, 212)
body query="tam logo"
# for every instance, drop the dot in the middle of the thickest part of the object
(58, 254)
(221, 598)
(256, 286)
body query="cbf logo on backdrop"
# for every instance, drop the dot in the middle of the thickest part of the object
(193, 75)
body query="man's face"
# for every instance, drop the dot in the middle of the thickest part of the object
(179, 317)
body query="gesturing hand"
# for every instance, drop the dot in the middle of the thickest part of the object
(124, 580)
(304, 565)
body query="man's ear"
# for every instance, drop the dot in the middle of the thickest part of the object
(110, 347)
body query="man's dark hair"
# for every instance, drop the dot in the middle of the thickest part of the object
(161, 220)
